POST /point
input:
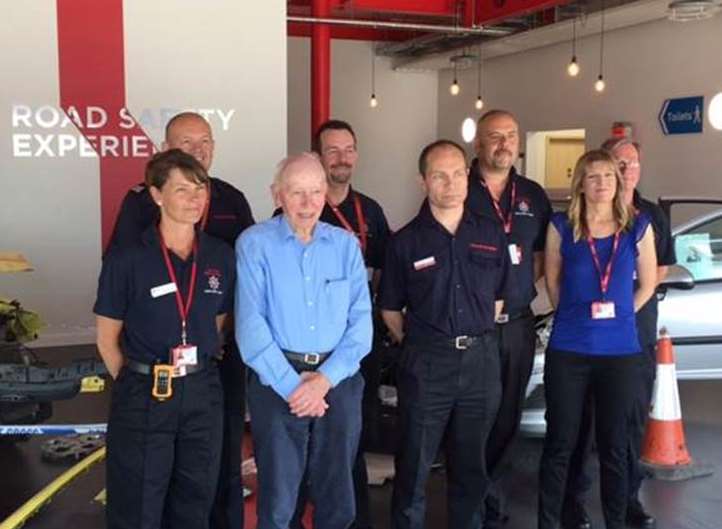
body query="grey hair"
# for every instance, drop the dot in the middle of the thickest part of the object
(612, 144)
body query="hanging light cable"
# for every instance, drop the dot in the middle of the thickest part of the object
(373, 102)
(600, 85)
(479, 103)
(454, 89)
(573, 66)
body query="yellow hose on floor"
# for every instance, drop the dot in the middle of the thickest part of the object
(34, 504)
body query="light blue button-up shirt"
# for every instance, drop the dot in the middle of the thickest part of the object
(304, 298)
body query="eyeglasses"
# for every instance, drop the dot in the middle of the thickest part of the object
(623, 165)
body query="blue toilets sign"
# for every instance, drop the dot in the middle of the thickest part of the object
(682, 115)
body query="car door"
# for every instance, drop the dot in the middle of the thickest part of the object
(693, 317)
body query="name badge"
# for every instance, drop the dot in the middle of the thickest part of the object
(603, 310)
(424, 263)
(162, 290)
(184, 356)
(515, 254)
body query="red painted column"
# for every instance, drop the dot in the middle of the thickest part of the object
(320, 66)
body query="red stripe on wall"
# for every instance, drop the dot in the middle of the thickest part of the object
(92, 73)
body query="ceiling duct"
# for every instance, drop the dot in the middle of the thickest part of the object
(691, 10)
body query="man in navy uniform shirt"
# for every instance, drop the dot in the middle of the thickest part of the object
(522, 209)
(580, 480)
(228, 211)
(448, 269)
(303, 317)
(163, 300)
(226, 216)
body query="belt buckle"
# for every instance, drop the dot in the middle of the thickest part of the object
(461, 342)
(502, 318)
(312, 359)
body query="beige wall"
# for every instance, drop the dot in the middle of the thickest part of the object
(644, 65)
(390, 136)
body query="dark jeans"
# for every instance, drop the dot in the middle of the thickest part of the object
(580, 476)
(287, 448)
(612, 382)
(451, 393)
(163, 457)
(370, 436)
(517, 341)
(228, 506)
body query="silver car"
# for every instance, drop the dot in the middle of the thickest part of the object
(690, 303)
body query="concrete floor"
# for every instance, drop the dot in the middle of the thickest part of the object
(694, 504)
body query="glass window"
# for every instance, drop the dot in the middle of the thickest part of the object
(700, 250)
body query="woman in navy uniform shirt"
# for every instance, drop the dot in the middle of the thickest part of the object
(162, 302)
(591, 256)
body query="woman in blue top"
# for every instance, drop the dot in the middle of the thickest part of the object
(591, 257)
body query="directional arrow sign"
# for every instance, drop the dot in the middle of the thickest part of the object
(683, 115)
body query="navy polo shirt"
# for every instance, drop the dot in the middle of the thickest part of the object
(530, 217)
(664, 244)
(152, 325)
(228, 216)
(447, 283)
(377, 228)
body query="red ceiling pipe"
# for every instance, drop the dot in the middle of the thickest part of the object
(320, 66)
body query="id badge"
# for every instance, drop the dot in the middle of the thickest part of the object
(184, 356)
(515, 254)
(603, 310)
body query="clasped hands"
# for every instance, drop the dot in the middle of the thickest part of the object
(309, 398)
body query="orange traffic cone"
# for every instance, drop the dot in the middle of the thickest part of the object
(664, 450)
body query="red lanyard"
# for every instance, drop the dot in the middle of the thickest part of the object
(506, 222)
(605, 277)
(359, 217)
(183, 310)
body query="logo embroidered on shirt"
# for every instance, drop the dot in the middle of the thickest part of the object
(214, 281)
(485, 247)
(523, 208)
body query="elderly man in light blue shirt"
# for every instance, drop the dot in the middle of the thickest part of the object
(303, 323)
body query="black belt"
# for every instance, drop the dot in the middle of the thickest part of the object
(507, 317)
(310, 360)
(457, 342)
(147, 369)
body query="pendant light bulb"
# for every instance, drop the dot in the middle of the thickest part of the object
(373, 102)
(479, 103)
(573, 67)
(599, 85)
(454, 89)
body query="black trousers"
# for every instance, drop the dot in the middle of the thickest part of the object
(580, 476)
(163, 457)
(612, 382)
(290, 449)
(445, 392)
(227, 510)
(517, 341)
